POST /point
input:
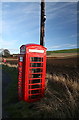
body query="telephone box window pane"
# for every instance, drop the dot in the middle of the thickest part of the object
(36, 59)
(36, 70)
(35, 81)
(34, 96)
(21, 59)
(36, 65)
(35, 91)
(36, 75)
(34, 86)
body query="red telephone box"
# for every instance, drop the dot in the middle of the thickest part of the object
(31, 72)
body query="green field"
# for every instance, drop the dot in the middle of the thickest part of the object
(64, 51)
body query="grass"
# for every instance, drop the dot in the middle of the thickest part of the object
(61, 96)
(12, 88)
(13, 107)
(64, 51)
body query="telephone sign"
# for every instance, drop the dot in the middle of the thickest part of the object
(31, 72)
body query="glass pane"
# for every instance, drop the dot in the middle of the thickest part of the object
(21, 59)
(36, 65)
(36, 59)
(36, 76)
(34, 86)
(35, 81)
(36, 70)
(34, 96)
(35, 91)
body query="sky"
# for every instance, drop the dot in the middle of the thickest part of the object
(20, 24)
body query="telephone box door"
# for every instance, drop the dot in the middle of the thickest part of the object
(35, 73)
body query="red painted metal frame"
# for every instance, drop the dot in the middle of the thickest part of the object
(26, 74)
(20, 75)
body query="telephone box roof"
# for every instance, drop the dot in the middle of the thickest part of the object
(29, 45)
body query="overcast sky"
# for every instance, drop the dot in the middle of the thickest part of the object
(21, 25)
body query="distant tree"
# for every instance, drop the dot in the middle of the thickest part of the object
(6, 53)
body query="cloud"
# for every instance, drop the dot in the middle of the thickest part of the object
(10, 45)
(55, 47)
(62, 46)
(21, 16)
(7, 44)
(56, 10)
(73, 36)
(71, 45)
(27, 12)
(21, 20)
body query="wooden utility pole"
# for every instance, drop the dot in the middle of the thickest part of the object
(42, 23)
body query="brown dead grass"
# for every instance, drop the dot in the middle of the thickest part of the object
(62, 92)
(61, 98)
